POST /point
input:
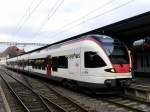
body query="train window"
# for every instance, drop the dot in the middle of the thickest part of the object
(24, 63)
(119, 55)
(92, 60)
(116, 52)
(54, 63)
(38, 63)
(43, 67)
(20, 63)
(32, 62)
(29, 62)
(62, 62)
(43, 63)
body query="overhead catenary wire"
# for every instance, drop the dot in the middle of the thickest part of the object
(26, 12)
(19, 43)
(51, 13)
(29, 15)
(91, 12)
(106, 12)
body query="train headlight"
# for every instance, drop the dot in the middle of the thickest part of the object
(110, 70)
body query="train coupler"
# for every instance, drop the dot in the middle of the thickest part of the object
(126, 82)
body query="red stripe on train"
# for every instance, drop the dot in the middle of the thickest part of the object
(121, 68)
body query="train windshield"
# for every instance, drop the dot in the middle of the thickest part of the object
(117, 53)
(114, 49)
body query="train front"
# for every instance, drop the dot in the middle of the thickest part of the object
(120, 62)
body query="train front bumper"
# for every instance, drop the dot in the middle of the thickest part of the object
(117, 82)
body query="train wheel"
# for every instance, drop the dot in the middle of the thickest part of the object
(73, 85)
(70, 84)
(64, 83)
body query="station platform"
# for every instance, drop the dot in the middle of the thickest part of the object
(139, 89)
(144, 81)
(4, 107)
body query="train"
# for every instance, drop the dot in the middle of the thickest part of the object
(91, 61)
(141, 57)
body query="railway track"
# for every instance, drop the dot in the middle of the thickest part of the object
(128, 103)
(51, 97)
(48, 92)
(122, 101)
(52, 107)
(28, 99)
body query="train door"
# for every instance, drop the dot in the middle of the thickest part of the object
(49, 65)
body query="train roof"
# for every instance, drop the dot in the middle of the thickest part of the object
(102, 37)
(41, 48)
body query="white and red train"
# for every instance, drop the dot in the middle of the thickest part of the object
(92, 61)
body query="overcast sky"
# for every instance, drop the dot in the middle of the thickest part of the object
(48, 21)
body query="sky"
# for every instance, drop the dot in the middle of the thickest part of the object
(48, 21)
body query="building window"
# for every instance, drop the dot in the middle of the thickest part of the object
(93, 60)
(62, 62)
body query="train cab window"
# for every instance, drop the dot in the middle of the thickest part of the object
(54, 63)
(93, 60)
(62, 62)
